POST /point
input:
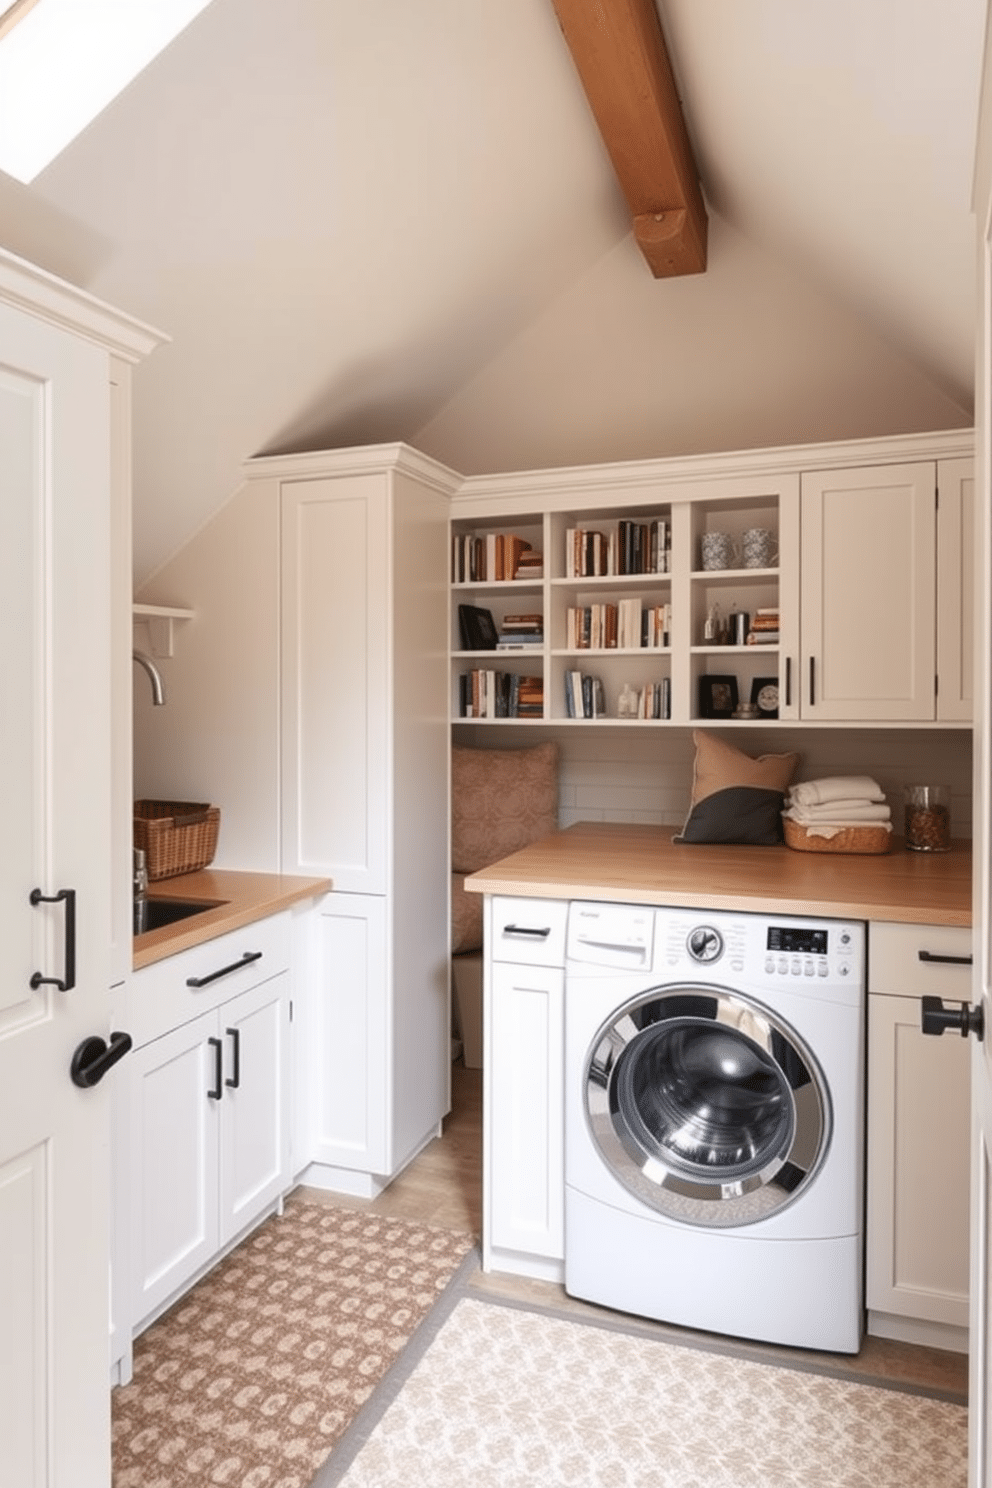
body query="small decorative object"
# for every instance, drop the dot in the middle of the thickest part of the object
(759, 548)
(764, 695)
(718, 550)
(745, 712)
(928, 818)
(712, 626)
(478, 629)
(717, 697)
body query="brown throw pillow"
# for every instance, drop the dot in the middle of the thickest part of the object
(736, 798)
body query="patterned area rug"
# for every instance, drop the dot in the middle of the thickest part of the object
(255, 1374)
(508, 1397)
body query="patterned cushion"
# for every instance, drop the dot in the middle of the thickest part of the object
(466, 917)
(501, 800)
(736, 798)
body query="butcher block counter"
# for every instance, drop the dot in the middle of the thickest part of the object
(637, 864)
(240, 899)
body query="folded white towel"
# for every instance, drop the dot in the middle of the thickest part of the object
(837, 788)
(840, 811)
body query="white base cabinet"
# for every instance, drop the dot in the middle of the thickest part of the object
(918, 1140)
(208, 1106)
(523, 1080)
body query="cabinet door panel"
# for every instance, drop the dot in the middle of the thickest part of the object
(174, 1148)
(254, 1163)
(337, 703)
(868, 593)
(525, 1118)
(955, 588)
(918, 1115)
(349, 1051)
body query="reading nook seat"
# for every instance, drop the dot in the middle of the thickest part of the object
(501, 800)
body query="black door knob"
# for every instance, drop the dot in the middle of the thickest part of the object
(93, 1058)
(936, 1018)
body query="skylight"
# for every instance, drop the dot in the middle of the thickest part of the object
(63, 61)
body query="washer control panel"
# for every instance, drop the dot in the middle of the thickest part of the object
(761, 950)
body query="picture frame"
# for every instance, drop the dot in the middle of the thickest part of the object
(478, 628)
(765, 695)
(717, 696)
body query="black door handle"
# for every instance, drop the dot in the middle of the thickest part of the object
(936, 958)
(218, 1090)
(936, 1018)
(234, 1034)
(67, 981)
(246, 960)
(93, 1058)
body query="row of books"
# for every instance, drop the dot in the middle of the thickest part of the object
(628, 548)
(487, 693)
(494, 557)
(584, 697)
(628, 624)
(653, 700)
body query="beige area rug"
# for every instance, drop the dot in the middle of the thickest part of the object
(507, 1397)
(255, 1374)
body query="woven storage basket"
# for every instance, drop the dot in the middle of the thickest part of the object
(177, 836)
(866, 839)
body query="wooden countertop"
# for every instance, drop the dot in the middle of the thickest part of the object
(626, 863)
(245, 897)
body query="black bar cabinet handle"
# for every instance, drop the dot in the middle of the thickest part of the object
(218, 1090)
(93, 1058)
(541, 934)
(937, 959)
(234, 1034)
(788, 681)
(67, 981)
(214, 976)
(812, 680)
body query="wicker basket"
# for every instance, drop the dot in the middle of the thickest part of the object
(867, 839)
(177, 836)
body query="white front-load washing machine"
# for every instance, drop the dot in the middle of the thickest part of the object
(714, 1120)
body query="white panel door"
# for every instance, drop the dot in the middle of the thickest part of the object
(336, 701)
(868, 593)
(255, 1108)
(174, 1105)
(955, 588)
(54, 755)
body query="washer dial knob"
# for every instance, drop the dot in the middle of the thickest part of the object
(705, 944)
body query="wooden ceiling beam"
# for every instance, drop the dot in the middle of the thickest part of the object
(620, 55)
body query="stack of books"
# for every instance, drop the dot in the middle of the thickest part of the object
(520, 632)
(530, 565)
(764, 628)
(629, 548)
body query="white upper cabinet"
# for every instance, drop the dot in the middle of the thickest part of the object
(955, 588)
(868, 593)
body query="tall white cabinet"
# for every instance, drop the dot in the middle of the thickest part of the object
(309, 699)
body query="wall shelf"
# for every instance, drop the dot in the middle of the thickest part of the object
(160, 621)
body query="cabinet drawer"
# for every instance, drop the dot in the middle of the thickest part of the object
(530, 932)
(160, 997)
(899, 961)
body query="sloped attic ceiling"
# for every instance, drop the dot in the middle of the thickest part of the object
(397, 221)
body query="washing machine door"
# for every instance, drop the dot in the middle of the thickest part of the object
(706, 1106)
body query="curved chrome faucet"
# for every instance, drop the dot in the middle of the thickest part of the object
(154, 676)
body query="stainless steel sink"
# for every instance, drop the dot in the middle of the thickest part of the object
(152, 914)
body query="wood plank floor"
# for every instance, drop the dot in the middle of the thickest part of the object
(443, 1186)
